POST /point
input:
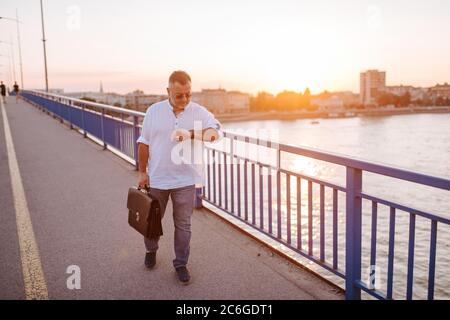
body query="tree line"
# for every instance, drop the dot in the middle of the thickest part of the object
(283, 101)
(385, 99)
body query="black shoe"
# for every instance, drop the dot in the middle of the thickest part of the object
(150, 259)
(183, 275)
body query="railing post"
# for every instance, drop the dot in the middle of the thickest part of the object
(198, 197)
(60, 111)
(103, 128)
(353, 234)
(135, 137)
(82, 121)
(70, 114)
(54, 114)
(278, 192)
(232, 172)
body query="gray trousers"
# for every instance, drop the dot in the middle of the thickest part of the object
(183, 206)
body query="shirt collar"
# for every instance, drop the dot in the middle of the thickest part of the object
(171, 107)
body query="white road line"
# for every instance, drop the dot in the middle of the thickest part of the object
(33, 276)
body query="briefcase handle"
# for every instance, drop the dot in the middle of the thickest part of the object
(146, 188)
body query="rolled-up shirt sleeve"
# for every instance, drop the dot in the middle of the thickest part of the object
(146, 128)
(209, 121)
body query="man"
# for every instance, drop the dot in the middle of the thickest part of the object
(16, 90)
(167, 124)
(3, 91)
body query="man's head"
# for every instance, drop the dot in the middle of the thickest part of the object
(179, 90)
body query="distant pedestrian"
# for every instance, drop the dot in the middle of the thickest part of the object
(166, 124)
(3, 91)
(16, 90)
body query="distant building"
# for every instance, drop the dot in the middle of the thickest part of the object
(139, 101)
(328, 104)
(220, 101)
(348, 98)
(398, 90)
(336, 100)
(440, 91)
(105, 98)
(401, 90)
(56, 91)
(238, 102)
(213, 99)
(372, 83)
(53, 91)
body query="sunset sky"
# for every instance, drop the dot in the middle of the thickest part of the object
(245, 45)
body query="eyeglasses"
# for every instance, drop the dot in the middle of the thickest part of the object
(181, 95)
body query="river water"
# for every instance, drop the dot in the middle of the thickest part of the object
(419, 142)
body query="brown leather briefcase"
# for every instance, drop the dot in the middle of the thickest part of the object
(144, 213)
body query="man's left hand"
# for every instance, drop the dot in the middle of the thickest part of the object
(210, 135)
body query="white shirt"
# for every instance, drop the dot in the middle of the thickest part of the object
(169, 166)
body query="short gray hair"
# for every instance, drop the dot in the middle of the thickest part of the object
(182, 77)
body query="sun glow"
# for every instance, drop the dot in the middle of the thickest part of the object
(306, 166)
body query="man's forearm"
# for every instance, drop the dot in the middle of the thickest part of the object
(143, 155)
(205, 134)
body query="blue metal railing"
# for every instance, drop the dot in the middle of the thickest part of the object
(228, 188)
(353, 211)
(115, 127)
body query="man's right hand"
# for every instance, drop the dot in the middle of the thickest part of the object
(143, 180)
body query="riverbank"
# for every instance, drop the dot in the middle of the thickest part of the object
(273, 115)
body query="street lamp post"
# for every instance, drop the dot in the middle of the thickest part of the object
(20, 50)
(6, 56)
(45, 52)
(11, 61)
(19, 45)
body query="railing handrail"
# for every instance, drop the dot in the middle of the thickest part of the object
(90, 103)
(353, 162)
